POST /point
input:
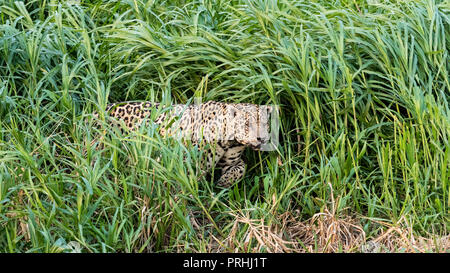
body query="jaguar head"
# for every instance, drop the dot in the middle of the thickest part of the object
(251, 124)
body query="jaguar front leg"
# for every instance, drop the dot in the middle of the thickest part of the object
(231, 174)
(233, 167)
(210, 159)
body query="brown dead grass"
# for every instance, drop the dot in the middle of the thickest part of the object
(329, 231)
(325, 232)
(259, 237)
(401, 238)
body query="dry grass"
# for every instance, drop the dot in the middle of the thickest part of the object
(325, 232)
(401, 238)
(329, 231)
(259, 236)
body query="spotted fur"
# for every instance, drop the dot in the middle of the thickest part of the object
(228, 128)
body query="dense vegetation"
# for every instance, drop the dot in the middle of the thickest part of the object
(363, 89)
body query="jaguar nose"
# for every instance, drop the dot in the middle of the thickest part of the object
(262, 140)
(257, 146)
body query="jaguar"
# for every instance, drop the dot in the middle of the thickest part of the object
(227, 128)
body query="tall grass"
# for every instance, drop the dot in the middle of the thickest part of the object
(363, 88)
